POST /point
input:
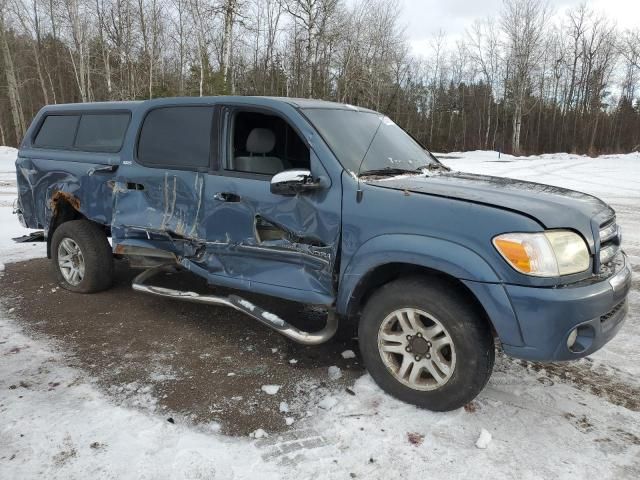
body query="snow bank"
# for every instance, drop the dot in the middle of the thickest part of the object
(7, 156)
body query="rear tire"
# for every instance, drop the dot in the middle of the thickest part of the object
(82, 257)
(426, 343)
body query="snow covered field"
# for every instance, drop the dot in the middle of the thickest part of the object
(533, 422)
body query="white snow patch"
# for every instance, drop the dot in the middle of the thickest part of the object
(270, 389)
(334, 372)
(484, 439)
(289, 420)
(328, 402)
(247, 304)
(348, 354)
(293, 361)
(273, 318)
(284, 407)
(259, 433)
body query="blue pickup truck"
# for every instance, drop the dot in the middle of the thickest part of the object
(330, 205)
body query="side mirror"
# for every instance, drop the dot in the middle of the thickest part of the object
(292, 182)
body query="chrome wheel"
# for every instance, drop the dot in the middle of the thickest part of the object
(417, 349)
(71, 261)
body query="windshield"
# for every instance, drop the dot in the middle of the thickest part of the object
(354, 135)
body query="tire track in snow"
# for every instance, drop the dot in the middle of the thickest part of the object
(605, 382)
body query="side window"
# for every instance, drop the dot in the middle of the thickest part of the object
(176, 137)
(265, 144)
(57, 131)
(98, 132)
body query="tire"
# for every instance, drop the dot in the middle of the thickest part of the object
(95, 255)
(462, 355)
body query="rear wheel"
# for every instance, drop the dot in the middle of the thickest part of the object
(425, 343)
(82, 257)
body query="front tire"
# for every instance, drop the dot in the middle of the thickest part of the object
(426, 344)
(82, 257)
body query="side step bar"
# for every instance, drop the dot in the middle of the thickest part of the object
(266, 318)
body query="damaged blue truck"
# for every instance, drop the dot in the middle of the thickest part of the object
(330, 205)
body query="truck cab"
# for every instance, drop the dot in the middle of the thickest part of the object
(331, 205)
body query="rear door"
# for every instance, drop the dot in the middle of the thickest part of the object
(159, 189)
(274, 244)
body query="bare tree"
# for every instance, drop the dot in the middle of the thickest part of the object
(12, 82)
(523, 24)
(524, 81)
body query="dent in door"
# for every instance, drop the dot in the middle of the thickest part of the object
(163, 210)
(285, 232)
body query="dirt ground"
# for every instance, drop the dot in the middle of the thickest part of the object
(205, 365)
(195, 363)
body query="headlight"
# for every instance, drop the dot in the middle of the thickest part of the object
(548, 254)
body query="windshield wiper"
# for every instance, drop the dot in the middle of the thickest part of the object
(434, 166)
(388, 171)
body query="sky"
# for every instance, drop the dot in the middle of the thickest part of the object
(425, 18)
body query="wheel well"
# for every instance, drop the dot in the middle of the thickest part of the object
(384, 274)
(63, 211)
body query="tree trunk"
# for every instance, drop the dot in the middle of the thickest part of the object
(226, 41)
(517, 124)
(12, 85)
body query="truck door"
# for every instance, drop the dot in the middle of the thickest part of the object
(283, 245)
(159, 190)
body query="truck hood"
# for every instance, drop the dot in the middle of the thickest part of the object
(552, 207)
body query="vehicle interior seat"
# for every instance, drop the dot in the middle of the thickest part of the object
(260, 142)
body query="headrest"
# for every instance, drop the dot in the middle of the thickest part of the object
(261, 140)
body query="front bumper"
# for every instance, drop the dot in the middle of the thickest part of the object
(547, 316)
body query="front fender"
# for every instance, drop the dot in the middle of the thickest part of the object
(441, 255)
(434, 253)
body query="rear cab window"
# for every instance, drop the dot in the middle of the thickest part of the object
(57, 131)
(101, 132)
(88, 132)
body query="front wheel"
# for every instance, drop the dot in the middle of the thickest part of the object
(425, 343)
(82, 257)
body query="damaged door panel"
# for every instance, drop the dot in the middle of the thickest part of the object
(48, 186)
(161, 211)
(158, 197)
(286, 242)
(282, 245)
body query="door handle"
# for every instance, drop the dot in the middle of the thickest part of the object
(227, 197)
(134, 186)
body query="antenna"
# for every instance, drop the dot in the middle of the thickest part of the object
(359, 190)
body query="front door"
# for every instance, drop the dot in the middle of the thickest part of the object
(268, 243)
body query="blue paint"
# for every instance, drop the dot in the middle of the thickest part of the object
(441, 221)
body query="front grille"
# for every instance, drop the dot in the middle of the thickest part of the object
(608, 315)
(609, 242)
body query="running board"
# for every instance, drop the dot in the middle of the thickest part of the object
(266, 318)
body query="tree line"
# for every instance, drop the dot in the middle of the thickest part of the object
(527, 80)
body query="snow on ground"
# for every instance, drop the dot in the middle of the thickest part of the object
(56, 423)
